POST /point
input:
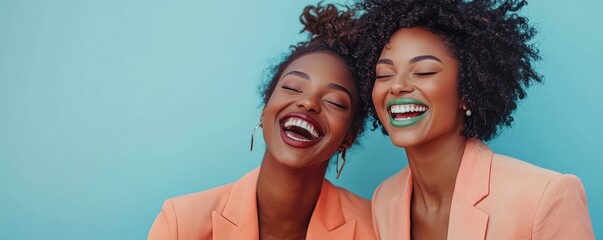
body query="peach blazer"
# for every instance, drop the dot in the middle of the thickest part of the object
(495, 197)
(230, 212)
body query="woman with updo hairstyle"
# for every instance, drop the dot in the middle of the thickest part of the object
(444, 76)
(312, 111)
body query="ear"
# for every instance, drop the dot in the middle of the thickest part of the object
(262, 115)
(349, 139)
(462, 104)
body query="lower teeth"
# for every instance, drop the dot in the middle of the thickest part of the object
(298, 139)
(404, 118)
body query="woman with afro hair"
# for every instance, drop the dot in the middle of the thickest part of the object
(444, 76)
(312, 111)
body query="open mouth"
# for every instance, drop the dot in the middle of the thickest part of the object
(406, 111)
(300, 130)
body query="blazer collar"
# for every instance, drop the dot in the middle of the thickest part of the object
(327, 221)
(239, 218)
(399, 219)
(472, 186)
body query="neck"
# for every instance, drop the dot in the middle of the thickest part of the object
(286, 198)
(434, 166)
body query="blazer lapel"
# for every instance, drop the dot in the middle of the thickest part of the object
(239, 218)
(399, 218)
(472, 185)
(327, 221)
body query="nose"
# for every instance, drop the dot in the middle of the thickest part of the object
(309, 103)
(400, 85)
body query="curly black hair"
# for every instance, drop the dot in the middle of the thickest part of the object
(331, 31)
(489, 38)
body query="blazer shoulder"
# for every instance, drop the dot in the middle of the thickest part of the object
(518, 181)
(562, 211)
(517, 168)
(191, 214)
(201, 204)
(552, 204)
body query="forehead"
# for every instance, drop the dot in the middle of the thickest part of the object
(323, 67)
(410, 42)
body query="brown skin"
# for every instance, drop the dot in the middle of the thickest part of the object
(291, 178)
(434, 146)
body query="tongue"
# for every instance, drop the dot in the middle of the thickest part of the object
(407, 115)
(296, 135)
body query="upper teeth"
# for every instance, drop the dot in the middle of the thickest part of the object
(293, 121)
(407, 108)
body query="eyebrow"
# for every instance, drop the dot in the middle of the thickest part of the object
(331, 85)
(424, 57)
(299, 74)
(340, 88)
(385, 61)
(412, 60)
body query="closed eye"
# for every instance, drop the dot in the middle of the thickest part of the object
(384, 76)
(424, 73)
(291, 89)
(344, 107)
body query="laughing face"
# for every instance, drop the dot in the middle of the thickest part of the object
(310, 111)
(416, 95)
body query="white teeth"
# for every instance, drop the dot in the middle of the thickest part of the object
(298, 139)
(407, 108)
(293, 121)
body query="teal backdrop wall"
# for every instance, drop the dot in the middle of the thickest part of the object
(109, 107)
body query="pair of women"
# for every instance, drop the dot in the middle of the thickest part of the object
(442, 76)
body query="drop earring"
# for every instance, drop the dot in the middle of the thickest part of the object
(339, 169)
(253, 133)
(467, 111)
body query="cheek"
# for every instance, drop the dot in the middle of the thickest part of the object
(339, 125)
(443, 96)
(444, 89)
(378, 95)
(276, 101)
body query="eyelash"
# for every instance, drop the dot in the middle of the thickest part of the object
(417, 74)
(331, 102)
(383, 76)
(291, 89)
(337, 105)
(424, 73)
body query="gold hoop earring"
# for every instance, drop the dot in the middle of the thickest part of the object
(339, 169)
(253, 133)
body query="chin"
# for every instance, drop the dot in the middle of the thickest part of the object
(404, 139)
(293, 161)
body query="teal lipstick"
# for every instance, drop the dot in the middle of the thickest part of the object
(405, 122)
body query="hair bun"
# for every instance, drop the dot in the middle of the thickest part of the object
(329, 25)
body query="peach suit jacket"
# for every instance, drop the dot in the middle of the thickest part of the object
(495, 197)
(230, 212)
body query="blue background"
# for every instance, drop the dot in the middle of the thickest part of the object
(109, 107)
